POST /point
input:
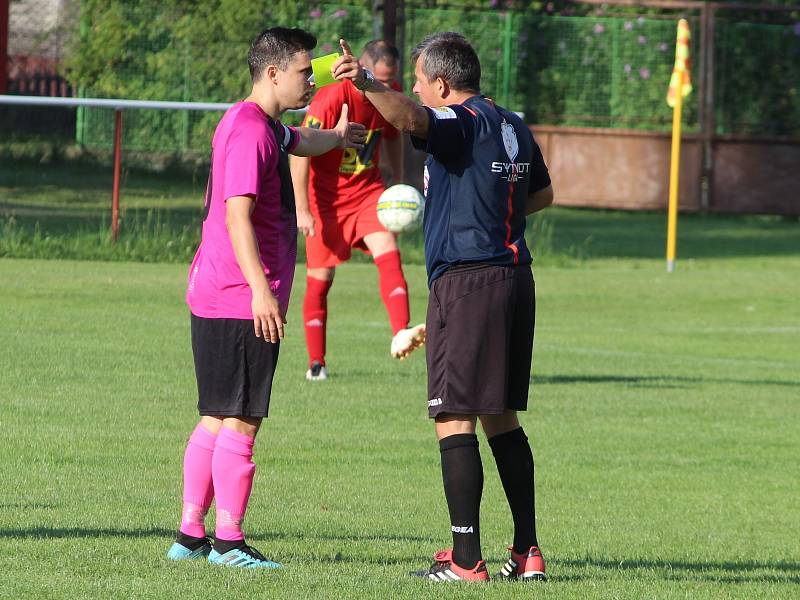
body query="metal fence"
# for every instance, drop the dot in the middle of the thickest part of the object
(599, 65)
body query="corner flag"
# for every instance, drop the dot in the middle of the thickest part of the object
(679, 87)
(680, 72)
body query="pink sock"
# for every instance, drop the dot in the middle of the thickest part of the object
(233, 471)
(198, 488)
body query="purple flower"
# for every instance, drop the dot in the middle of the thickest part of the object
(315, 13)
(493, 3)
(326, 47)
(598, 29)
(627, 69)
(644, 73)
(663, 46)
(550, 7)
(642, 40)
(340, 13)
(797, 29)
(628, 26)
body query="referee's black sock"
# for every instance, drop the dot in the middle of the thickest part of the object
(514, 459)
(462, 473)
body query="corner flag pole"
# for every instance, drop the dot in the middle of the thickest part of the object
(679, 87)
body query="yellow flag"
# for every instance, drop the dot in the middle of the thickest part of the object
(680, 72)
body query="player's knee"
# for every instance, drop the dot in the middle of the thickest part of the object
(245, 425)
(321, 273)
(497, 424)
(380, 243)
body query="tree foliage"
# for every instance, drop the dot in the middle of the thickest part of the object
(558, 62)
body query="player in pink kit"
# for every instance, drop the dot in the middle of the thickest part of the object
(239, 285)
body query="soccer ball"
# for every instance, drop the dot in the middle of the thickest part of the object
(400, 208)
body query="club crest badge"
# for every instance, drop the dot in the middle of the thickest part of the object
(509, 140)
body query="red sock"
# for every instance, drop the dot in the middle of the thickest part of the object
(233, 470)
(394, 290)
(315, 317)
(198, 488)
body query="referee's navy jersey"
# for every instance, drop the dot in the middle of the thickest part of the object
(483, 163)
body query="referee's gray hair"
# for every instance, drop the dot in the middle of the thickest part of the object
(450, 56)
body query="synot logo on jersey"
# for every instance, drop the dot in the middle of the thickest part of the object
(511, 171)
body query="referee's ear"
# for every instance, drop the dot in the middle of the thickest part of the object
(442, 89)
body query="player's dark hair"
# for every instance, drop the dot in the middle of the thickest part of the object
(276, 46)
(381, 50)
(450, 56)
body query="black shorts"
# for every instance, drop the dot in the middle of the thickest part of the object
(479, 342)
(234, 368)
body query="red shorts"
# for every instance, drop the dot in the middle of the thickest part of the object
(337, 230)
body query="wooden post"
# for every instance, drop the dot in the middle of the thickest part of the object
(4, 12)
(707, 99)
(117, 174)
(390, 21)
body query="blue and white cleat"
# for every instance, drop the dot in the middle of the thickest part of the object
(244, 557)
(180, 552)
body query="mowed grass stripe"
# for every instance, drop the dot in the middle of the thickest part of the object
(665, 440)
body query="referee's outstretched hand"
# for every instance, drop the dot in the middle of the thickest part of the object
(347, 65)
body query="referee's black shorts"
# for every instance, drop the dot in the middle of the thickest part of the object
(234, 368)
(479, 342)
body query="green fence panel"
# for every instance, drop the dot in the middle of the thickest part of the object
(594, 71)
(757, 78)
(161, 64)
(485, 30)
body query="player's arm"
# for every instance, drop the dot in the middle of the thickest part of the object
(268, 319)
(393, 147)
(539, 200)
(314, 142)
(299, 166)
(398, 109)
(540, 190)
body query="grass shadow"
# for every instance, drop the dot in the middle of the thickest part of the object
(654, 381)
(43, 532)
(748, 571)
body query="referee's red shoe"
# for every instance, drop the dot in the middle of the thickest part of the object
(528, 566)
(444, 569)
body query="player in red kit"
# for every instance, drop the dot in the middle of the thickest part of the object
(336, 196)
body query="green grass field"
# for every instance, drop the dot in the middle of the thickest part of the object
(665, 421)
(63, 210)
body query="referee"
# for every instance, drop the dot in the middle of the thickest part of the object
(483, 175)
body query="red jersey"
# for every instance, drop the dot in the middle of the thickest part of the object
(346, 176)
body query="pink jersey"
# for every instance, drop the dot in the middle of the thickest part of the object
(248, 158)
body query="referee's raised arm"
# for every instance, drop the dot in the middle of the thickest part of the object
(399, 110)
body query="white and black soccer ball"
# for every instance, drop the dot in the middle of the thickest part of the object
(400, 208)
